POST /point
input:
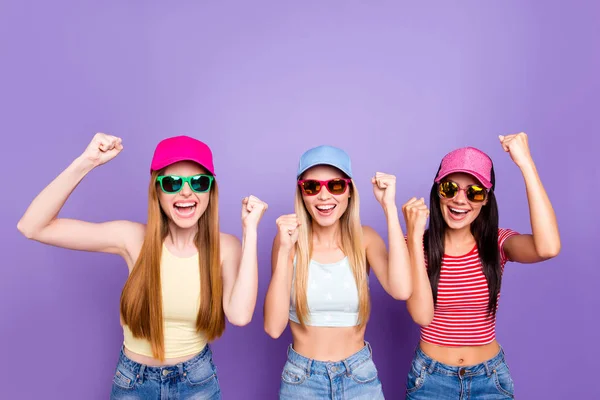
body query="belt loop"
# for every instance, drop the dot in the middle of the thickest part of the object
(348, 371)
(488, 368)
(308, 368)
(431, 366)
(181, 372)
(141, 373)
(370, 349)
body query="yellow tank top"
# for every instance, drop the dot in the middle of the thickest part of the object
(180, 284)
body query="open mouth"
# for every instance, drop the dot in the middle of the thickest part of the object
(185, 209)
(325, 209)
(457, 213)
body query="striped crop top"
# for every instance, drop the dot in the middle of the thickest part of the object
(461, 315)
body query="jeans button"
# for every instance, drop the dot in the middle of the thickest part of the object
(165, 372)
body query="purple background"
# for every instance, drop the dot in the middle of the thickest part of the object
(396, 84)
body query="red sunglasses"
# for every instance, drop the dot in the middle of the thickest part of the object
(337, 186)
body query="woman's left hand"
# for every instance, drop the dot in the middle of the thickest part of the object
(384, 189)
(253, 209)
(518, 148)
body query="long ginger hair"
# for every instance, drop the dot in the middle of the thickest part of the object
(141, 299)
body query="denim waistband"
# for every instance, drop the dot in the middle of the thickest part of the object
(330, 367)
(485, 368)
(165, 372)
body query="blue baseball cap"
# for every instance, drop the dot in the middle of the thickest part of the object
(325, 155)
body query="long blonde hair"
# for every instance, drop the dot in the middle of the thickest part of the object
(141, 299)
(352, 245)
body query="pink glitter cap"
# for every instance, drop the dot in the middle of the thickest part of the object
(470, 161)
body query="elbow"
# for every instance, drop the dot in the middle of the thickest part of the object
(423, 320)
(549, 252)
(273, 331)
(403, 296)
(401, 293)
(25, 230)
(239, 320)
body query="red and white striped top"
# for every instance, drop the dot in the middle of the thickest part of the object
(461, 315)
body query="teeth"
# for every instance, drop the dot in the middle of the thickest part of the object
(325, 208)
(459, 211)
(191, 204)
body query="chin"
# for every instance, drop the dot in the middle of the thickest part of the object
(325, 221)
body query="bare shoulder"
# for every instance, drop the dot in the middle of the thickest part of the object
(369, 234)
(229, 241)
(230, 247)
(133, 234)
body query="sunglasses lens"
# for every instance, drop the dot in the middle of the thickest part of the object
(336, 186)
(476, 193)
(171, 184)
(200, 183)
(448, 189)
(311, 187)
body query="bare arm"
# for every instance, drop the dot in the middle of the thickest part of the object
(420, 303)
(544, 242)
(393, 269)
(41, 223)
(240, 265)
(277, 300)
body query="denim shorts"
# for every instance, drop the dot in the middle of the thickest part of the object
(193, 379)
(429, 379)
(352, 378)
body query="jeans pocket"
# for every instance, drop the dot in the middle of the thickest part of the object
(201, 374)
(124, 378)
(292, 374)
(365, 372)
(416, 377)
(503, 380)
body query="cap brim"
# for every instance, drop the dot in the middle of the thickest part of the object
(165, 163)
(487, 184)
(322, 163)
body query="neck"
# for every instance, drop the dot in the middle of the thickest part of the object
(456, 238)
(181, 238)
(326, 236)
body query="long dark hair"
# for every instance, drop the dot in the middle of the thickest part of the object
(485, 231)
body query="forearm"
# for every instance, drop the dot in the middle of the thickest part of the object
(420, 304)
(48, 203)
(543, 219)
(244, 292)
(277, 301)
(399, 274)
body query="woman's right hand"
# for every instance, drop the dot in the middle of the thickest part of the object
(415, 215)
(102, 149)
(287, 226)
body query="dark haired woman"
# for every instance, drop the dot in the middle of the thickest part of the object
(457, 273)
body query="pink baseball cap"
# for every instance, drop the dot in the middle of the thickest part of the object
(182, 148)
(468, 160)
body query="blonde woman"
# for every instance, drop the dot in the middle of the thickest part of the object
(320, 267)
(185, 276)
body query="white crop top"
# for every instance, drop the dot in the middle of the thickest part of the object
(332, 295)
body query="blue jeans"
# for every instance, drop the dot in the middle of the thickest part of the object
(194, 379)
(429, 379)
(353, 378)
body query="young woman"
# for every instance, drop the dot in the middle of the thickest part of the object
(320, 266)
(185, 276)
(457, 277)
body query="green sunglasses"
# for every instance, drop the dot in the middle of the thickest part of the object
(174, 183)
